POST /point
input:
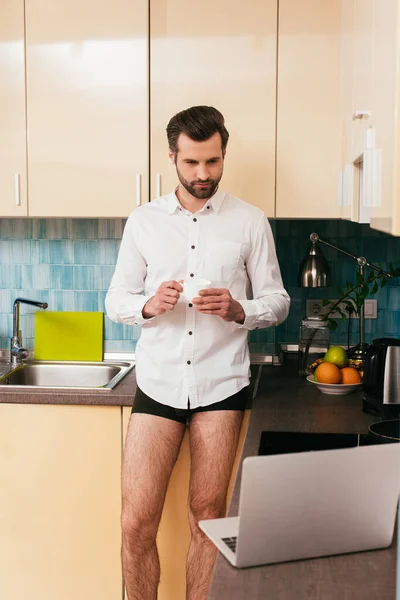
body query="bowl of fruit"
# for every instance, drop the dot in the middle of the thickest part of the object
(335, 373)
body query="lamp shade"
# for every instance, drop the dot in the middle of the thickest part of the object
(314, 270)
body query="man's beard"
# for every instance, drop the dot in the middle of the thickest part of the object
(197, 191)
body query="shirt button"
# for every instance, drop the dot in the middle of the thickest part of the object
(192, 247)
(190, 305)
(195, 219)
(188, 362)
(191, 274)
(190, 332)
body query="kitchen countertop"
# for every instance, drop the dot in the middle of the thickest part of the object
(286, 402)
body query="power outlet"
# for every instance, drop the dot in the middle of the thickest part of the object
(316, 309)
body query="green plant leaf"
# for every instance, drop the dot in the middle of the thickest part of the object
(383, 282)
(350, 305)
(349, 285)
(332, 324)
(340, 312)
(358, 302)
(364, 290)
(325, 301)
(374, 288)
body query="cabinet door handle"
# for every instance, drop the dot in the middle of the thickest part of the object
(348, 178)
(361, 114)
(138, 189)
(339, 189)
(17, 190)
(372, 177)
(158, 185)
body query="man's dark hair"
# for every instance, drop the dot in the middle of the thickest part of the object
(199, 123)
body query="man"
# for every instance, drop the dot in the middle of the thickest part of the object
(192, 360)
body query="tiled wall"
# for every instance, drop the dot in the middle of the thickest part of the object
(69, 264)
(65, 262)
(292, 242)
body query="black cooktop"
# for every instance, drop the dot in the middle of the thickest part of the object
(287, 442)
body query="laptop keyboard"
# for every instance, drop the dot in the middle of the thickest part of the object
(230, 542)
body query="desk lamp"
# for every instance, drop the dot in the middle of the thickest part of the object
(315, 272)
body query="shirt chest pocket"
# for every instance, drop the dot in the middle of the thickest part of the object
(220, 260)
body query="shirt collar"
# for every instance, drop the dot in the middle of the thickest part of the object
(215, 201)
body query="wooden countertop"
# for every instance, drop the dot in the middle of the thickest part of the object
(286, 402)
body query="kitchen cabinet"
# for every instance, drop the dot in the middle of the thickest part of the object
(100, 92)
(357, 116)
(174, 534)
(13, 202)
(370, 100)
(87, 107)
(363, 72)
(308, 109)
(385, 212)
(60, 502)
(221, 54)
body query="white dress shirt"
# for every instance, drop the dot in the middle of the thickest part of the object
(183, 354)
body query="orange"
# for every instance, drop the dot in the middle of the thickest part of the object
(327, 373)
(350, 375)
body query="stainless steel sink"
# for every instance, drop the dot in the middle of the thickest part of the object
(67, 374)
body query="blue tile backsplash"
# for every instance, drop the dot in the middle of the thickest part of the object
(292, 243)
(66, 262)
(69, 263)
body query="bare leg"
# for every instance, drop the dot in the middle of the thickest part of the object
(213, 438)
(151, 449)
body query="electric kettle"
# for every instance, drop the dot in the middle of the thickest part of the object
(381, 382)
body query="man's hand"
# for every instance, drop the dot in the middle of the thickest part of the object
(216, 301)
(164, 299)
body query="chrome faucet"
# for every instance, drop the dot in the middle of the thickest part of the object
(17, 352)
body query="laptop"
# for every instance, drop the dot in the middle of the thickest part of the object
(311, 504)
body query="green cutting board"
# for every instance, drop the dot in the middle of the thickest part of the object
(68, 336)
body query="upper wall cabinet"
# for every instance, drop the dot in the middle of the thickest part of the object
(308, 109)
(221, 54)
(357, 114)
(370, 123)
(87, 106)
(385, 212)
(12, 110)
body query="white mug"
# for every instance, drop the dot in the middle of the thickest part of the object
(191, 287)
